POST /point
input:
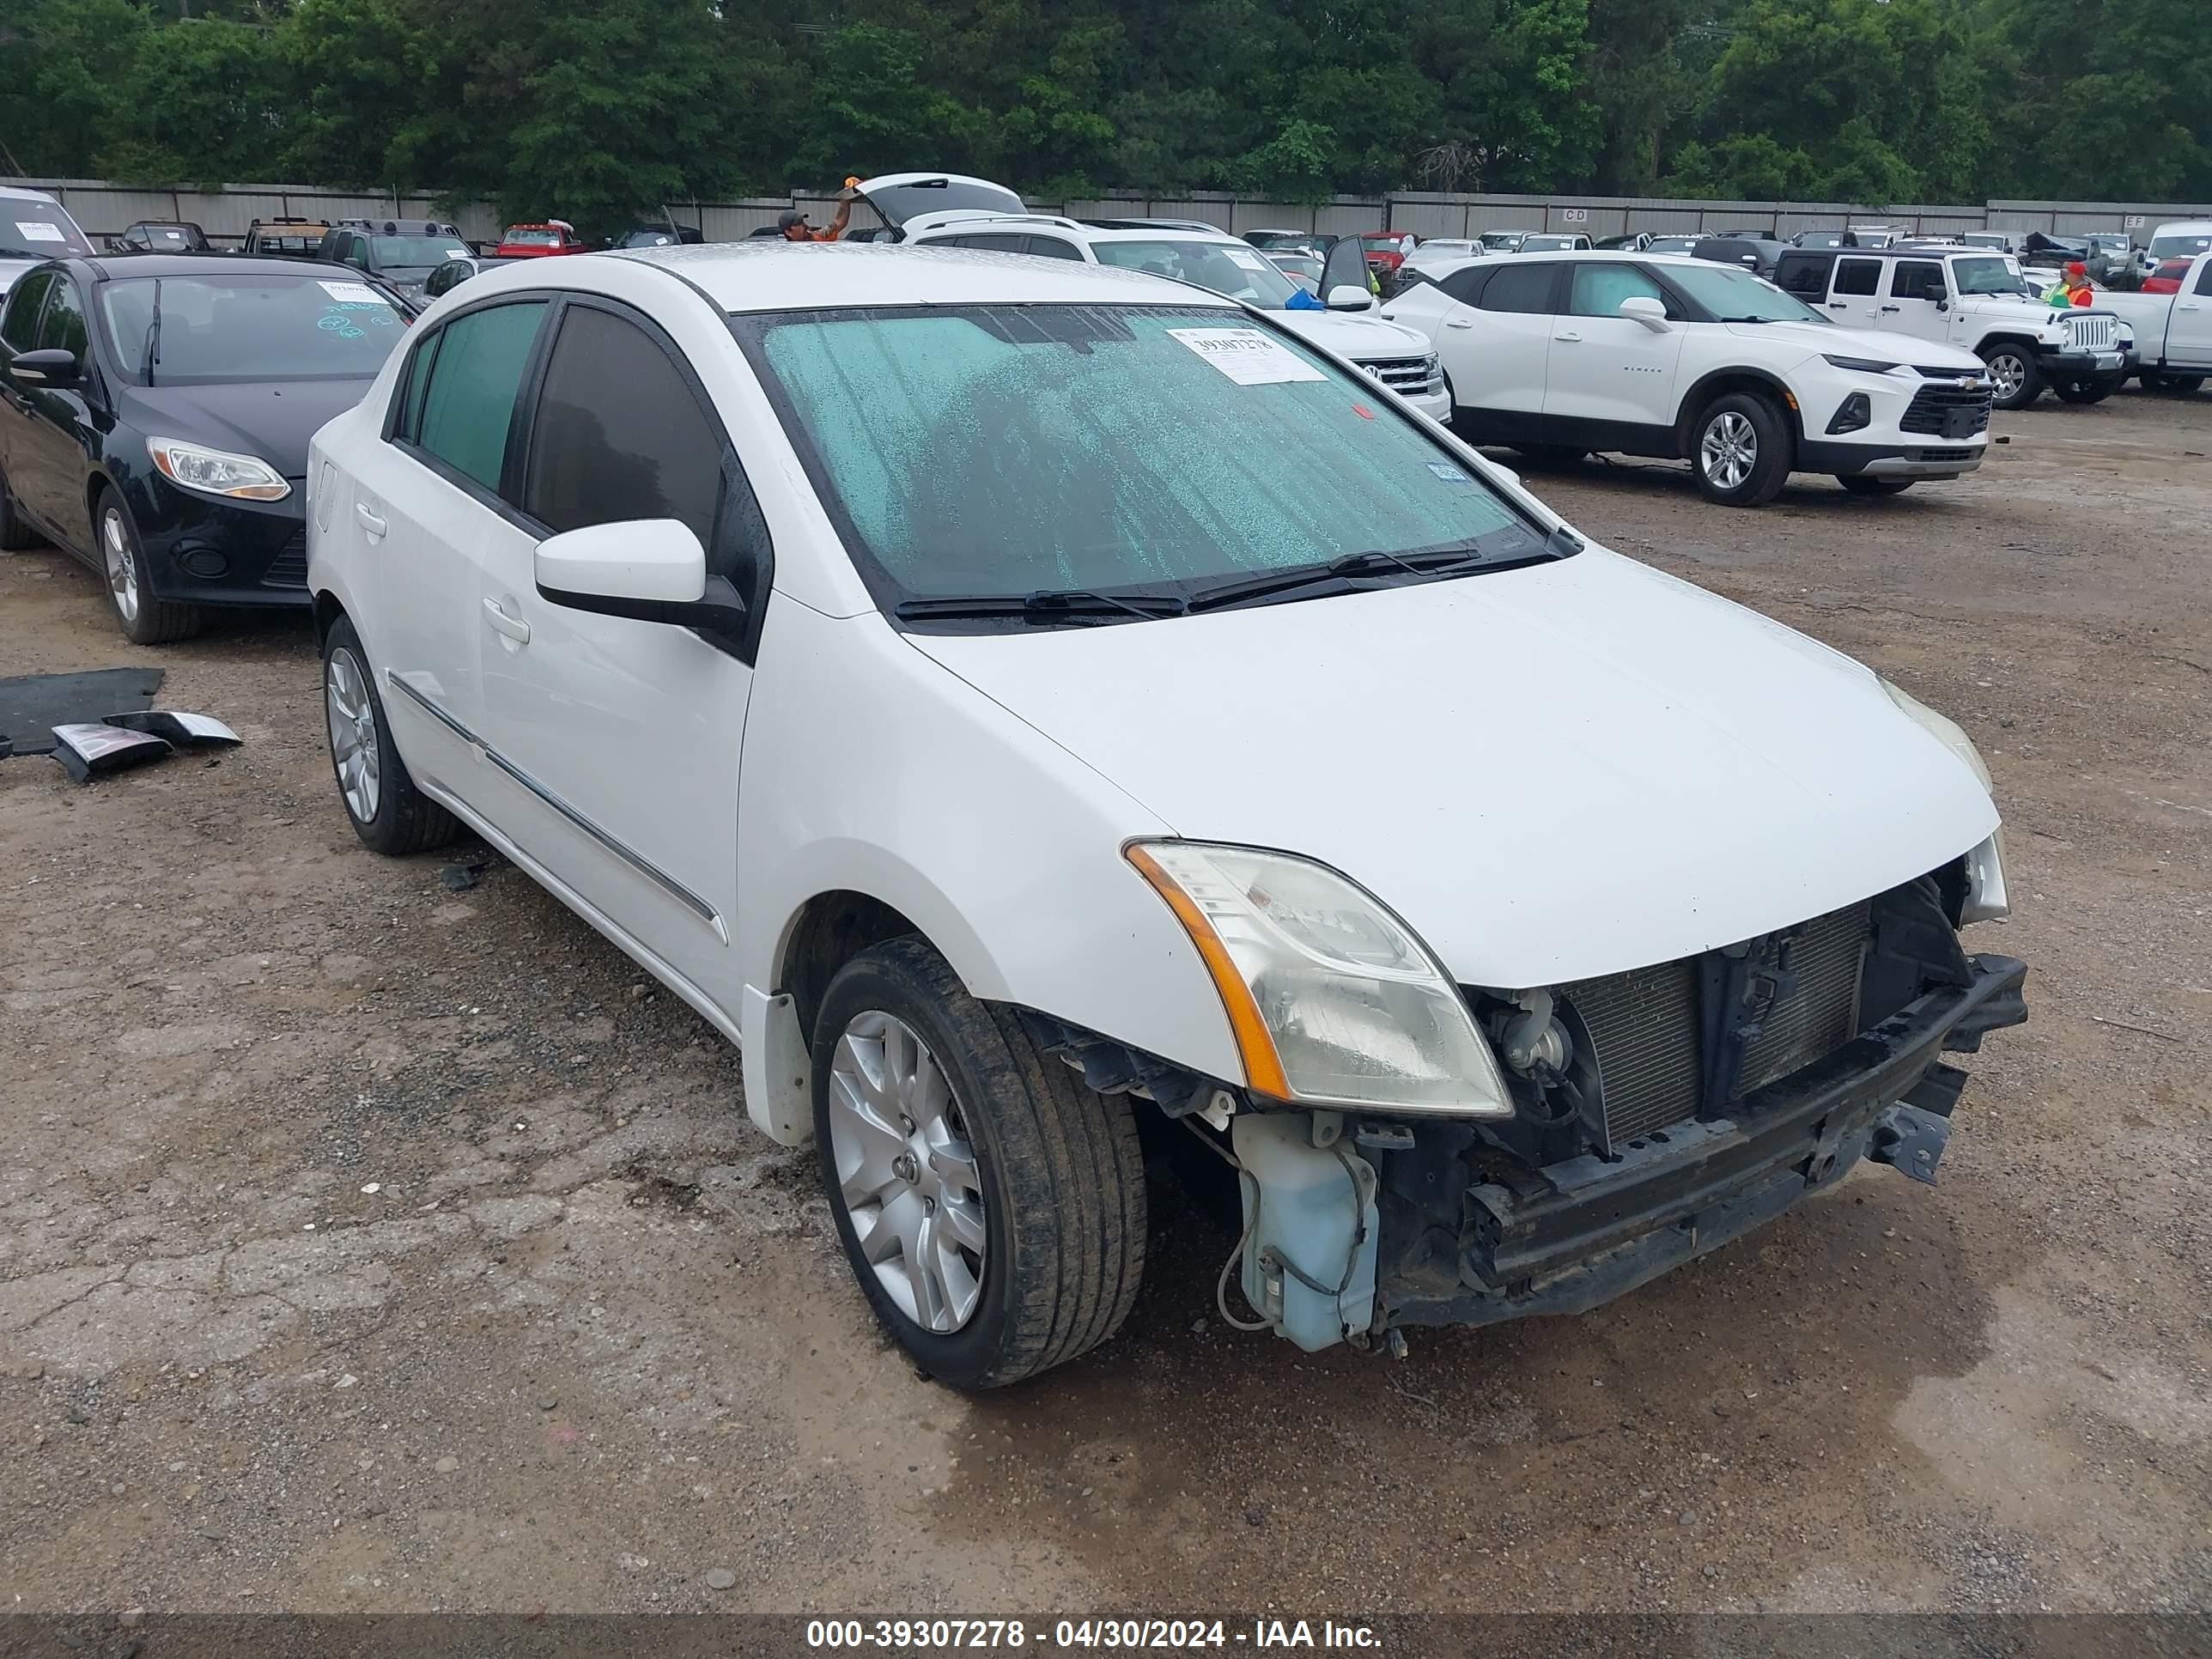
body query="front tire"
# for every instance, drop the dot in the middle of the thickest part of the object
(144, 618)
(1739, 449)
(992, 1208)
(1859, 485)
(385, 809)
(2012, 369)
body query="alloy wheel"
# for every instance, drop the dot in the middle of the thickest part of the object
(354, 751)
(1729, 450)
(906, 1172)
(122, 569)
(2010, 373)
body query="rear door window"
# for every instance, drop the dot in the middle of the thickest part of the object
(996, 244)
(1859, 276)
(469, 403)
(1525, 288)
(1052, 247)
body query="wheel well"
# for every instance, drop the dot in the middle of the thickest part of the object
(327, 611)
(2006, 339)
(830, 930)
(93, 485)
(1736, 380)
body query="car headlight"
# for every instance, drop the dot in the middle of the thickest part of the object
(1986, 897)
(1333, 1001)
(218, 471)
(1863, 365)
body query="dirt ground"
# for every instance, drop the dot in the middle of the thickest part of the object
(366, 1245)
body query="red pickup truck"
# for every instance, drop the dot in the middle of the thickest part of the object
(539, 241)
(1385, 250)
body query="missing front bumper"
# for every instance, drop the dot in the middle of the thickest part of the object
(1580, 1233)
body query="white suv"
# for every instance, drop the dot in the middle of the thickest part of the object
(1010, 697)
(1394, 357)
(1650, 354)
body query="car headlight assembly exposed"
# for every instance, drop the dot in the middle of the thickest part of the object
(218, 471)
(1986, 897)
(1333, 1002)
(1862, 365)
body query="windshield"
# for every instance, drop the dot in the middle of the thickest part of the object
(1547, 244)
(1670, 245)
(1738, 296)
(1985, 275)
(414, 255)
(532, 236)
(38, 230)
(218, 329)
(1500, 237)
(2181, 247)
(1230, 268)
(1010, 450)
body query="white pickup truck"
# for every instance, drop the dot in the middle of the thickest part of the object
(2173, 331)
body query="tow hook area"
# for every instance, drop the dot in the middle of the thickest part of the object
(1911, 1139)
(1310, 1227)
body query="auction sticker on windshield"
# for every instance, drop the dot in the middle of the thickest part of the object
(1246, 356)
(352, 294)
(38, 230)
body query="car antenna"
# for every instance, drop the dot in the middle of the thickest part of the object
(153, 353)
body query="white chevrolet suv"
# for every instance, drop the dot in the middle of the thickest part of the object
(949, 211)
(1012, 699)
(1683, 358)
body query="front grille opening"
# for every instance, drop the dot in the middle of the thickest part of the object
(1643, 1034)
(1934, 405)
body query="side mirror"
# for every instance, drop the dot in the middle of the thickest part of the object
(647, 569)
(1642, 308)
(1346, 297)
(55, 368)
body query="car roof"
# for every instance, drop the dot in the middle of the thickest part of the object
(16, 192)
(780, 276)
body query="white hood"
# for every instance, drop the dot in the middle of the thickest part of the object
(1861, 343)
(1358, 337)
(1552, 773)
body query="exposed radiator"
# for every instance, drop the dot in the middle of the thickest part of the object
(1644, 1029)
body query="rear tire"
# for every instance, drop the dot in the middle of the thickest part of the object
(1739, 449)
(15, 532)
(143, 618)
(387, 810)
(1860, 484)
(992, 1208)
(2184, 383)
(2018, 376)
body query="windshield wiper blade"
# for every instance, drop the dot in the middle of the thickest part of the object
(1046, 604)
(1376, 562)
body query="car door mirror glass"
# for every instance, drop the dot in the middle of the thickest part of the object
(51, 369)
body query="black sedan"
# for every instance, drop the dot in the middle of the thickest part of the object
(154, 415)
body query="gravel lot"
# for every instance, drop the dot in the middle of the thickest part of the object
(366, 1245)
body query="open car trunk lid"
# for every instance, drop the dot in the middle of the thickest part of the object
(899, 196)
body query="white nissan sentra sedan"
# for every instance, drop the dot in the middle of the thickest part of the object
(1013, 698)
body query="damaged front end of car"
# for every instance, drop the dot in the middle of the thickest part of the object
(1656, 1114)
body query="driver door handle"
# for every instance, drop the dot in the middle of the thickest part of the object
(514, 626)
(1890, 308)
(1569, 339)
(1459, 322)
(368, 519)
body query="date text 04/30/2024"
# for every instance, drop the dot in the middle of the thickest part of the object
(897, 1634)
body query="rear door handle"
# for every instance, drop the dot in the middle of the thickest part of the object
(369, 520)
(1569, 339)
(1839, 305)
(1459, 322)
(514, 626)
